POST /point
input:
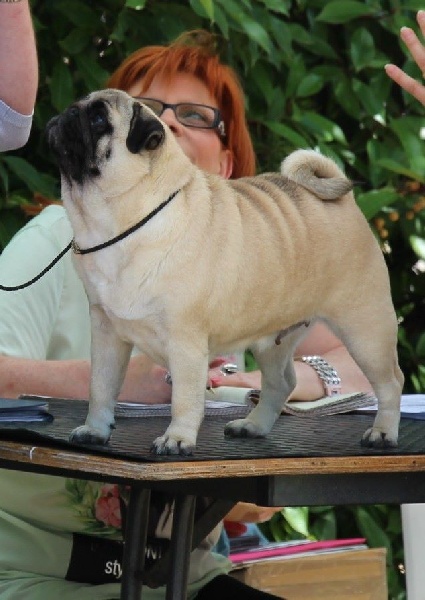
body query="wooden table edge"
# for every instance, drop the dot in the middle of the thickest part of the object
(38, 458)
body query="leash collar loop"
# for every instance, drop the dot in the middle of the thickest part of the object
(77, 250)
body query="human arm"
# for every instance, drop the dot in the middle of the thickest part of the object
(144, 381)
(417, 50)
(18, 73)
(320, 341)
(19, 67)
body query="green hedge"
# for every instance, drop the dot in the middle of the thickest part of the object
(313, 75)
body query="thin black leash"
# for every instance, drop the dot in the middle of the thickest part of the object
(72, 244)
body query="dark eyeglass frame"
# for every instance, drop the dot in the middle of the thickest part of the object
(217, 124)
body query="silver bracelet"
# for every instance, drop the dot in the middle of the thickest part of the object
(9, 1)
(327, 374)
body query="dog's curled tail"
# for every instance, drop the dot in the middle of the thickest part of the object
(317, 173)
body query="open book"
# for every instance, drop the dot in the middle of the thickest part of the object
(328, 405)
(236, 402)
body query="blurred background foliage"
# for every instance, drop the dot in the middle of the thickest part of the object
(313, 75)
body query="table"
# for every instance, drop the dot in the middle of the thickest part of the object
(333, 469)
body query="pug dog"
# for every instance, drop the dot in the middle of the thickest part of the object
(186, 266)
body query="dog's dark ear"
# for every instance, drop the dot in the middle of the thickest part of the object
(145, 133)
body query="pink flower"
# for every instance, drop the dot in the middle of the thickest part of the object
(108, 509)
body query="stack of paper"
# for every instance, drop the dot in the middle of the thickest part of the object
(23, 410)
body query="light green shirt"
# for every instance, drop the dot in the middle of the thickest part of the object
(39, 513)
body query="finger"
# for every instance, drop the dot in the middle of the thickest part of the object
(420, 18)
(236, 380)
(413, 87)
(414, 46)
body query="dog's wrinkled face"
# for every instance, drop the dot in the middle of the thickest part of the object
(89, 134)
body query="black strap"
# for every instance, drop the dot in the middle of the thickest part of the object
(13, 288)
(124, 234)
(78, 250)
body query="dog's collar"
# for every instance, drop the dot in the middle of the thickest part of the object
(77, 250)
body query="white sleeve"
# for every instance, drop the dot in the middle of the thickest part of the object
(14, 128)
(28, 316)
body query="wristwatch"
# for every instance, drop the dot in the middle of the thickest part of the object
(327, 374)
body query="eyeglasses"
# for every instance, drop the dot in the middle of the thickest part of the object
(189, 114)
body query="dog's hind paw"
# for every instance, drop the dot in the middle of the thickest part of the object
(376, 438)
(243, 428)
(167, 444)
(88, 435)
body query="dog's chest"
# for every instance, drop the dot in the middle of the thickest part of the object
(123, 293)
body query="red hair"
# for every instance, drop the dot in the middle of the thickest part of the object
(194, 53)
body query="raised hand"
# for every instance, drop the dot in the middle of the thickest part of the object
(417, 50)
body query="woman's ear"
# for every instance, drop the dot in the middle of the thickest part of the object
(226, 164)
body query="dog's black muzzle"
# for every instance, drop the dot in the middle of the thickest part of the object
(73, 137)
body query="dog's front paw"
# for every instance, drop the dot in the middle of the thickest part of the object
(89, 435)
(173, 444)
(374, 437)
(243, 428)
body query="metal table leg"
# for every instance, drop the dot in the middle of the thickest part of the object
(135, 543)
(181, 546)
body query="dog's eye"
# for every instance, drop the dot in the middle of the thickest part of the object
(98, 121)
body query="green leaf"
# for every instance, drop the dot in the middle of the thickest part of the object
(344, 95)
(321, 47)
(257, 33)
(309, 85)
(297, 518)
(278, 6)
(296, 74)
(410, 133)
(61, 86)
(36, 182)
(373, 201)
(254, 30)
(204, 8)
(300, 35)
(77, 40)
(372, 531)
(392, 165)
(79, 14)
(320, 126)
(221, 21)
(93, 74)
(368, 98)
(362, 48)
(290, 134)
(342, 11)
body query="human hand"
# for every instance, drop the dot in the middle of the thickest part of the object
(417, 50)
(146, 382)
(238, 379)
(245, 512)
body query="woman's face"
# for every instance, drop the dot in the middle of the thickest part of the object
(202, 146)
